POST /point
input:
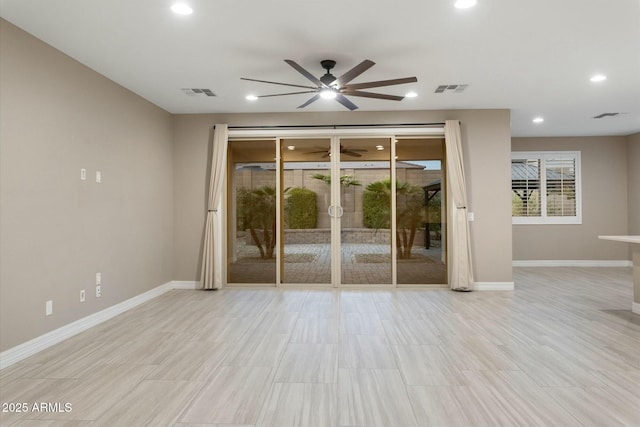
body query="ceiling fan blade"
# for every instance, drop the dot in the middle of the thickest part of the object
(304, 72)
(374, 95)
(355, 72)
(312, 99)
(357, 150)
(351, 153)
(316, 152)
(344, 101)
(276, 83)
(288, 93)
(380, 83)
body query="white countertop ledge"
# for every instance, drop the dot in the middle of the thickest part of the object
(628, 239)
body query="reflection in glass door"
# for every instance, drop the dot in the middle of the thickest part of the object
(365, 211)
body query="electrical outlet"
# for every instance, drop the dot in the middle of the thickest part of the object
(98, 278)
(98, 291)
(83, 174)
(48, 309)
(82, 295)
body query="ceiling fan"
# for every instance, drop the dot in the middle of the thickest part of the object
(353, 152)
(331, 87)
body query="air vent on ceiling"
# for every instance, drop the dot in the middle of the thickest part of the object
(195, 92)
(600, 116)
(450, 88)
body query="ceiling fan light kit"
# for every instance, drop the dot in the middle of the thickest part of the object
(330, 87)
(328, 93)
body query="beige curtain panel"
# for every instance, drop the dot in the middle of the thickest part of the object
(211, 274)
(460, 263)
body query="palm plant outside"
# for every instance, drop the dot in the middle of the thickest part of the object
(257, 212)
(345, 180)
(409, 211)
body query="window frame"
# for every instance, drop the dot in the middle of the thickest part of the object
(543, 157)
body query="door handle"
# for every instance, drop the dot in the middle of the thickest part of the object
(332, 211)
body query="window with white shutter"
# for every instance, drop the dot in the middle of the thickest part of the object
(545, 187)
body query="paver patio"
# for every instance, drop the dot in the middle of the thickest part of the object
(361, 264)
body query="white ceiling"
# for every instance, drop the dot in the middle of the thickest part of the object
(533, 57)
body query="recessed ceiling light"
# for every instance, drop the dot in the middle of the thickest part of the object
(538, 120)
(410, 94)
(379, 147)
(291, 147)
(598, 78)
(182, 9)
(465, 4)
(251, 97)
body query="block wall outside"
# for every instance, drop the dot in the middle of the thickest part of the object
(351, 199)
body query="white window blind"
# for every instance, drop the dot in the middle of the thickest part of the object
(546, 187)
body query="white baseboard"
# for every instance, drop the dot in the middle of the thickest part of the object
(184, 284)
(635, 307)
(494, 286)
(572, 263)
(29, 348)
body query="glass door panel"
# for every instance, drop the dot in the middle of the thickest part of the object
(365, 211)
(251, 243)
(306, 194)
(420, 215)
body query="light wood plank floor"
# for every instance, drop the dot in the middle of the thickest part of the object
(561, 350)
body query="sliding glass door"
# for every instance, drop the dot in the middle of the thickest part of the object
(251, 215)
(306, 197)
(365, 211)
(336, 211)
(419, 212)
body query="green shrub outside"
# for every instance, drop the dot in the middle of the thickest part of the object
(376, 205)
(300, 208)
(376, 209)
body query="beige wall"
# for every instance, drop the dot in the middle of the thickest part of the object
(486, 145)
(56, 117)
(633, 186)
(604, 204)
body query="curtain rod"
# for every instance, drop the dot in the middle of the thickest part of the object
(353, 126)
